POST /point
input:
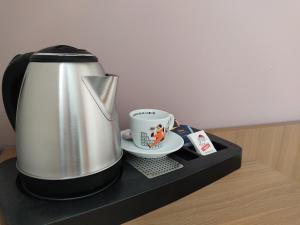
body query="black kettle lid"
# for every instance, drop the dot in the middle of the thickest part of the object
(63, 53)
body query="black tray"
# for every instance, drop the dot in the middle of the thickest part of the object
(131, 196)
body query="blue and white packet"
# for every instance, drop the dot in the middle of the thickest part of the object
(184, 131)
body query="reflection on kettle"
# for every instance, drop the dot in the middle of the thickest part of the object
(103, 90)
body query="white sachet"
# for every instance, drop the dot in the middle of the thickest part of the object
(202, 143)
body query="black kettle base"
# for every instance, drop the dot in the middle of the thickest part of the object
(67, 197)
(70, 189)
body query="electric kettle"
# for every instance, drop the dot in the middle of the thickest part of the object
(62, 106)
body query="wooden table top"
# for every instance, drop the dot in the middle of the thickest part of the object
(255, 194)
(265, 191)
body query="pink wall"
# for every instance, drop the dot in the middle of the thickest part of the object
(211, 63)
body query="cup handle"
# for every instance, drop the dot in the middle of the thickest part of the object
(172, 120)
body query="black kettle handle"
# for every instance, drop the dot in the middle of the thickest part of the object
(11, 84)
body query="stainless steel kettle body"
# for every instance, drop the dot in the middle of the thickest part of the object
(67, 125)
(61, 131)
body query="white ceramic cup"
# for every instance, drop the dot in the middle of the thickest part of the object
(150, 127)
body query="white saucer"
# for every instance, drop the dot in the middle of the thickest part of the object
(173, 143)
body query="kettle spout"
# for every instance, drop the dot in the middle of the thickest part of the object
(103, 89)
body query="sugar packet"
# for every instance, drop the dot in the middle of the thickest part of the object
(202, 143)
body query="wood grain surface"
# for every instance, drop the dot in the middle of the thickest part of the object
(274, 145)
(265, 191)
(255, 194)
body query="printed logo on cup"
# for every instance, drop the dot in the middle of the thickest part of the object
(149, 127)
